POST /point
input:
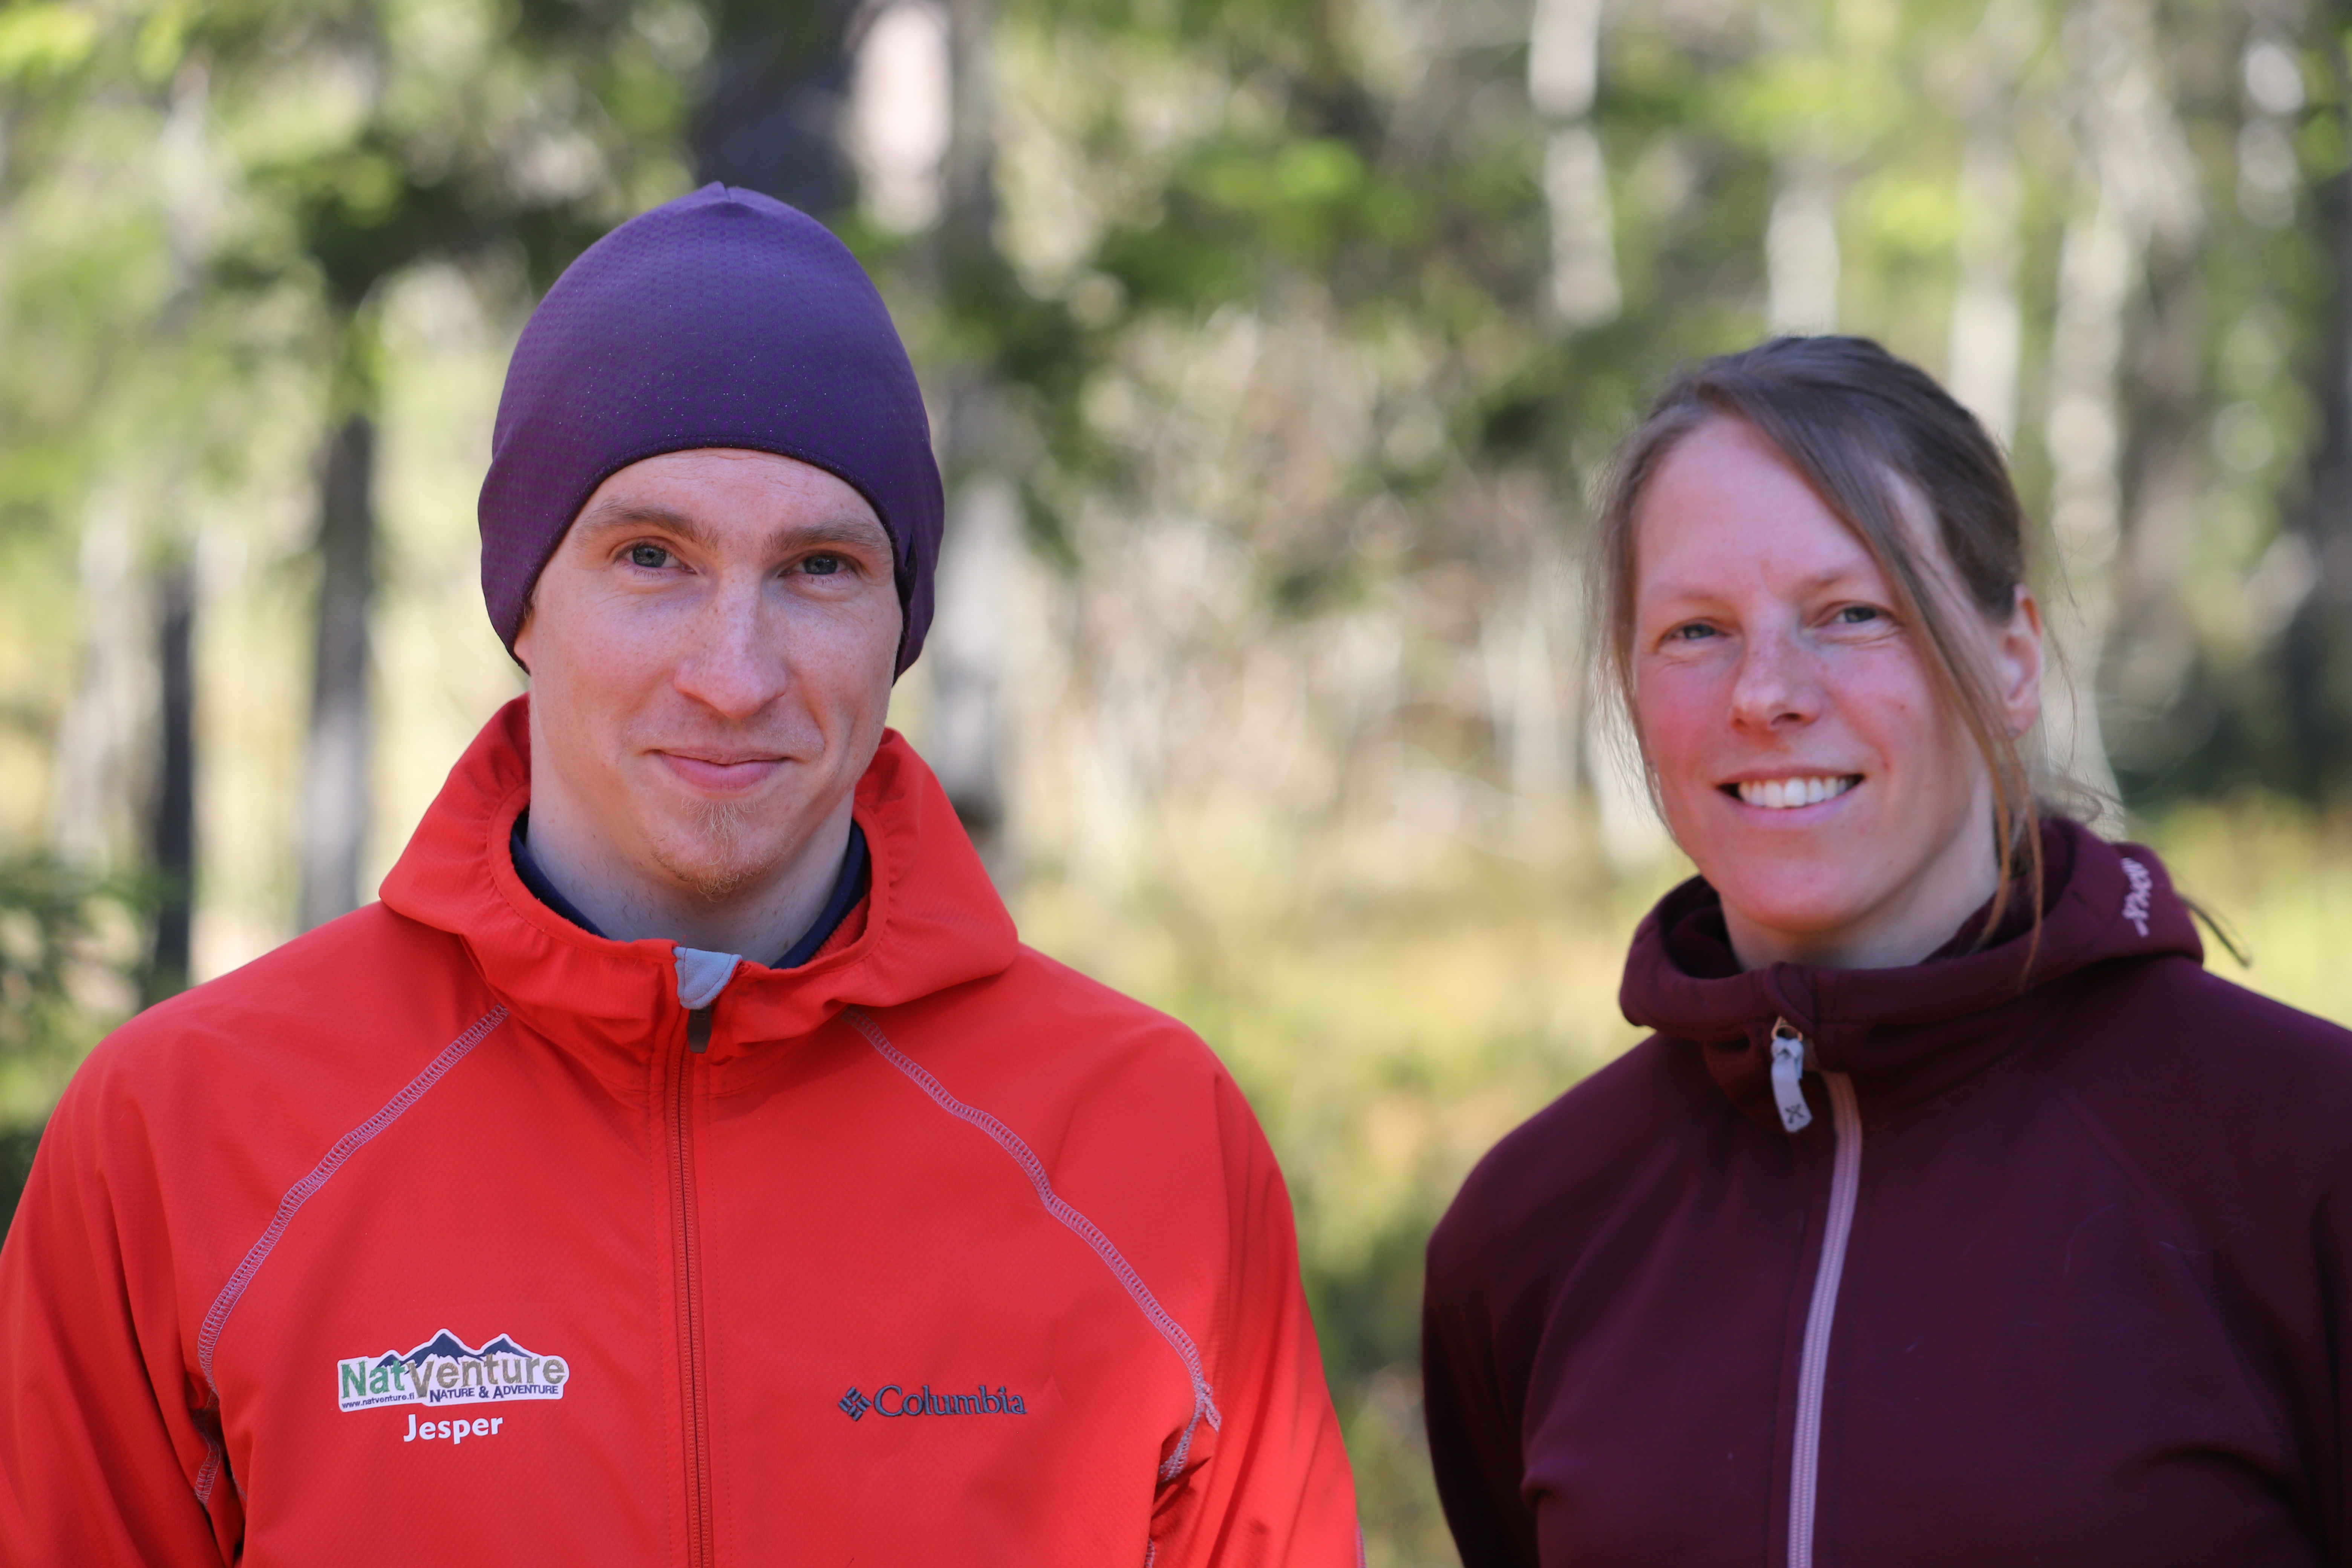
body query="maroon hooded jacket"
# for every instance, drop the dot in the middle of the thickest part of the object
(2058, 1272)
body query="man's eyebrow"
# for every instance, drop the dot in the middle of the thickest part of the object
(848, 530)
(638, 514)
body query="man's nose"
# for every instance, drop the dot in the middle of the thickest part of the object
(737, 661)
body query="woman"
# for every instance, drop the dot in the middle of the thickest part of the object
(1953, 1214)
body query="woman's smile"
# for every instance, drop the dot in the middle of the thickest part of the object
(1791, 794)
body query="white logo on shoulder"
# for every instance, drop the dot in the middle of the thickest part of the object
(444, 1370)
(2135, 902)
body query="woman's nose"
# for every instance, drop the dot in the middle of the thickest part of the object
(1775, 684)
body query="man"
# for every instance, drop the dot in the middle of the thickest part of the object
(684, 1162)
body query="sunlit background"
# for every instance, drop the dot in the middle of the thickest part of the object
(1274, 348)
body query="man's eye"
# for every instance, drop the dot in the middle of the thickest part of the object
(651, 557)
(822, 566)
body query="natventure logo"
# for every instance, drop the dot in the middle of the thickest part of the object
(444, 1370)
(893, 1401)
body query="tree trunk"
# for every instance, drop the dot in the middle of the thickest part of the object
(1563, 70)
(335, 785)
(2136, 190)
(770, 115)
(1986, 322)
(172, 837)
(94, 796)
(2315, 650)
(968, 653)
(2095, 269)
(971, 639)
(1801, 253)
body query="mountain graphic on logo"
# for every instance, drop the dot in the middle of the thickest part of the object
(446, 1344)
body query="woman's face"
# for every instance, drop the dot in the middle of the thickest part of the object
(1803, 756)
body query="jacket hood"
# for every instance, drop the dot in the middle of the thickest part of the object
(932, 919)
(1917, 1027)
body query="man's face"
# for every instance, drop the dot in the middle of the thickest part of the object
(710, 653)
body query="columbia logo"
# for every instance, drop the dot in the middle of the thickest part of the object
(892, 1400)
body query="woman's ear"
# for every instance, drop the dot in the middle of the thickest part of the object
(2017, 662)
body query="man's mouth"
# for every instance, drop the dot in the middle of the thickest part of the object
(1786, 795)
(722, 772)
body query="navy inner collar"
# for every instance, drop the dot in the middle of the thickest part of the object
(849, 885)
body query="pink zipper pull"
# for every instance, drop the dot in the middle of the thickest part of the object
(1787, 1073)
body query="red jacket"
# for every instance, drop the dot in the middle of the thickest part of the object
(428, 1238)
(2056, 1267)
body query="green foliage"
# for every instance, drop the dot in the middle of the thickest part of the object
(50, 919)
(64, 979)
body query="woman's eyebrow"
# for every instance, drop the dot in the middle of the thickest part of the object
(1680, 591)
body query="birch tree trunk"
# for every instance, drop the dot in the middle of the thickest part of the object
(2095, 269)
(1987, 324)
(1987, 321)
(1563, 71)
(2140, 185)
(1801, 254)
(93, 800)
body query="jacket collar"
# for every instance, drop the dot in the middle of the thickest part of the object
(933, 917)
(1908, 1033)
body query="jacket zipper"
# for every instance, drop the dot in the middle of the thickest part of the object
(1845, 1183)
(685, 1243)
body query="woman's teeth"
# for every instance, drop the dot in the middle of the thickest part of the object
(1779, 794)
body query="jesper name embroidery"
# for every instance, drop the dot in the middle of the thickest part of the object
(892, 1402)
(444, 1370)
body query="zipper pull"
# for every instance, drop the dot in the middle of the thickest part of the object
(1787, 1073)
(701, 977)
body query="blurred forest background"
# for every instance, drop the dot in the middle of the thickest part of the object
(1275, 347)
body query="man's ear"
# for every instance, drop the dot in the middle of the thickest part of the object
(522, 633)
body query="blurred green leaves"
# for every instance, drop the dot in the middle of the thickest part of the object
(51, 917)
(39, 41)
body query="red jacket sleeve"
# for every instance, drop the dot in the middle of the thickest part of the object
(1271, 1487)
(104, 1441)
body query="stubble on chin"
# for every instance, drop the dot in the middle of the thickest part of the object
(714, 859)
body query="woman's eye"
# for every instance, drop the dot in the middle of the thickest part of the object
(1697, 631)
(651, 557)
(1860, 615)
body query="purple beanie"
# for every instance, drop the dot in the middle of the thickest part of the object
(722, 319)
